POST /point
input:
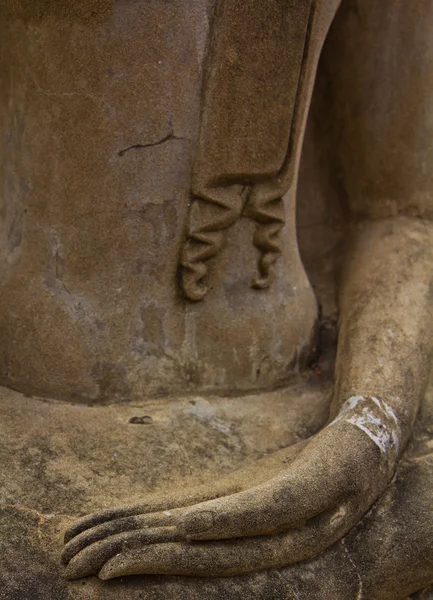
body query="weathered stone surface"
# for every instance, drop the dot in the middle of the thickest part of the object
(127, 127)
(100, 115)
(384, 558)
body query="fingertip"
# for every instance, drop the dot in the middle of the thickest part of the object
(105, 574)
(80, 566)
(64, 558)
(73, 571)
(79, 526)
(71, 549)
(111, 569)
(69, 534)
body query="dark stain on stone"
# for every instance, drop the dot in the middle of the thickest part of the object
(15, 232)
(143, 420)
(26, 570)
(111, 379)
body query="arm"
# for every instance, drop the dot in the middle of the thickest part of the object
(385, 337)
(385, 345)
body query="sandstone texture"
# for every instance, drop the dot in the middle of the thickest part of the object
(119, 120)
(60, 460)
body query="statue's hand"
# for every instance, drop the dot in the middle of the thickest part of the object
(308, 506)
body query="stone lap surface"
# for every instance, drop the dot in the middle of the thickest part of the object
(85, 458)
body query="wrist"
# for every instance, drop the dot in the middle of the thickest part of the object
(377, 419)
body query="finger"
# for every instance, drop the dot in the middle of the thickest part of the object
(233, 557)
(259, 471)
(90, 560)
(153, 504)
(94, 519)
(105, 530)
(314, 482)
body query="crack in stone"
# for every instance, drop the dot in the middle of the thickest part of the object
(352, 562)
(170, 136)
(287, 584)
(58, 269)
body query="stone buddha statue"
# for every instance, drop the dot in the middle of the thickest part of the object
(206, 217)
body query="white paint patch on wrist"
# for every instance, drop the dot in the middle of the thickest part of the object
(375, 418)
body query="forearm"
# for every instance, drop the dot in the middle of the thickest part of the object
(386, 332)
